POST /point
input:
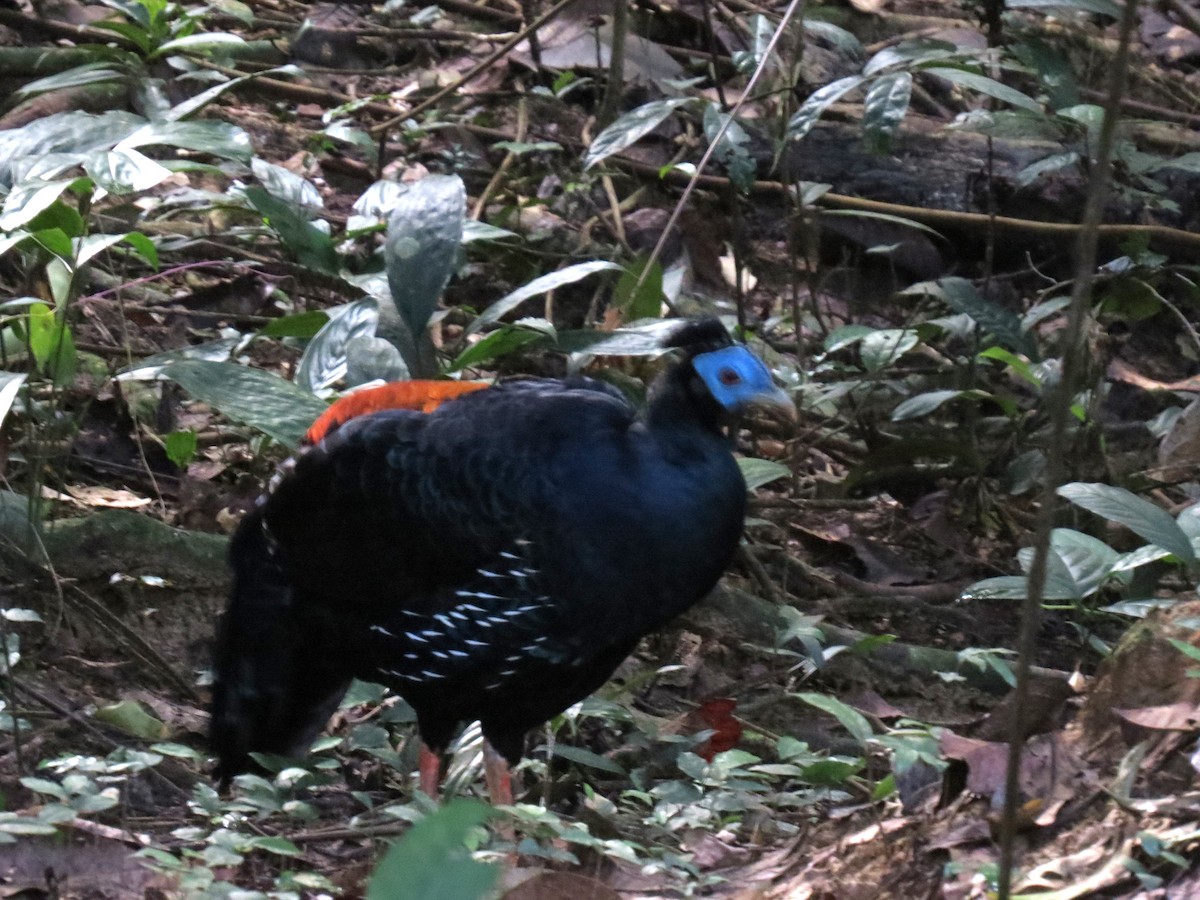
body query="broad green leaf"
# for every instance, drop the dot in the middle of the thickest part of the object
(639, 340)
(10, 384)
(639, 301)
(284, 184)
(77, 76)
(922, 404)
(1140, 516)
(198, 101)
(1018, 364)
(1189, 162)
(151, 366)
(28, 199)
(829, 772)
(482, 231)
(731, 150)
(431, 861)
(884, 108)
(17, 529)
(257, 398)
(130, 717)
(879, 217)
(181, 446)
(841, 39)
(196, 42)
(373, 359)
(324, 360)
(758, 472)
(851, 719)
(125, 171)
(211, 136)
(1004, 587)
(987, 86)
(1137, 609)
(845, 336)
(501, 342)
(884, 347)
(922, 51)
(819, 101)
(587, 758)
(1047, 165)
(423, 236)
(1088, 560)
(277, 845)
(52, 344)
(630, 128)
(1188, 520)
(962, 296)
(305, 325)
(553, 281)
(1142, 556)
(308, 245)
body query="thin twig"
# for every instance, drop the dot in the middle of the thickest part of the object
(1074, 362)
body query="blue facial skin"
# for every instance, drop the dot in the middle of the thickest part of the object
(737, 378)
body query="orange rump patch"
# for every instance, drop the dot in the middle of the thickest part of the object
(422, 396)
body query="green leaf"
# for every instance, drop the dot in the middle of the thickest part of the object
(1047, 165)
(423, 236)
(987, 86)
(257, 398)
(133, 719)
(884, 109)
(30, 198)
(77, 76)
(181, 447)
(431, 862)
(52, 344)
(923, 404)
(307, 244)
(630, 128)
(883, 347)
(962, 296)
(17, 529)
(639, 301)
(125, 171)
(587, 758)
(211, 136)
(501, 342)
(1140, 516)
(851, 719)
(324, 360)
(758, 472)
(304, 325)
(553, 281)
(819, 101)
(829, 772)
(10, 385)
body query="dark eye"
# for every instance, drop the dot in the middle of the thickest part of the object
(729, 377)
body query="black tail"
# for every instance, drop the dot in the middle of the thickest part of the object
(273, 688)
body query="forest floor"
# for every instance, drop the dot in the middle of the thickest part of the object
(865, 750)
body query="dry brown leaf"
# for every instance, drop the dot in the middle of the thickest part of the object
(1182, 716)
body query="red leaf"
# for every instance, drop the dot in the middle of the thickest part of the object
(727, 731)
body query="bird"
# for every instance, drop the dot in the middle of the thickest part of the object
(491, 557)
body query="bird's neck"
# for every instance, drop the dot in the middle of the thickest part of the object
(672, 406)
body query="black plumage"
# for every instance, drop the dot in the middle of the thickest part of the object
(495, 559)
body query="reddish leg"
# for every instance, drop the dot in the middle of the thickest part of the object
(430, 768)
(497, 775)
